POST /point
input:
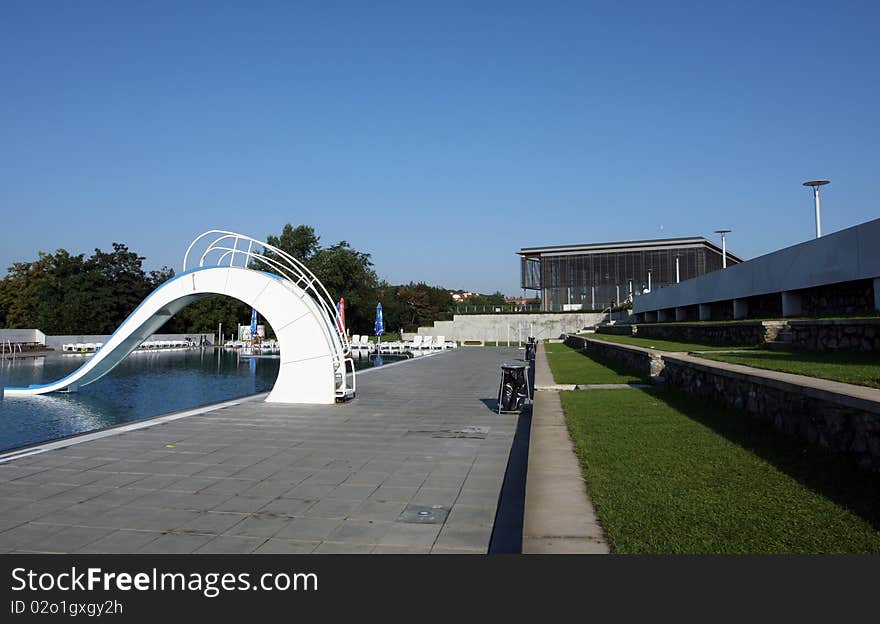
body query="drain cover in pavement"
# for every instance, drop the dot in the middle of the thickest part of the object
(420, 514)
(472, 432)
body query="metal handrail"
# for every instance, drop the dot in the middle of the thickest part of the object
(292, 270)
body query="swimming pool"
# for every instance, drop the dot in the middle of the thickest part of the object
(145, 384)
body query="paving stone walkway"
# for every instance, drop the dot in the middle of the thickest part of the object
(414, 465)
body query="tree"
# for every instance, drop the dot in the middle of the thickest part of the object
(65, 294)
(119, 284)
(346, 272)
(413, 304)
(52, 293)
(204, 316)
(62, 293)
(300, 242)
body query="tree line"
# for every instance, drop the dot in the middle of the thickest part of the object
(61, 293)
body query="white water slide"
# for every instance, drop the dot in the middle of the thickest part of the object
(316, 364)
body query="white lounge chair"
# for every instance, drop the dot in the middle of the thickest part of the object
(439, 343)
(355, 341)
(416, 343)
(427, 343)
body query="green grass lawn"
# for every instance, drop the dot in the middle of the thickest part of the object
(672, 474)
(663, 345)
(853, 367)
(573, 366)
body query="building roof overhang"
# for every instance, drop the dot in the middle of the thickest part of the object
(658, 244)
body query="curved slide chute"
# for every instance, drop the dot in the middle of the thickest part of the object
(315, 355)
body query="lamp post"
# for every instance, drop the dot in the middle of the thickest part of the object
(724, 234)
(630, 289)
(649, 280)
(677, 272)
(816, 184)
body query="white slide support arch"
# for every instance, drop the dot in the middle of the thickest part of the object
(315, 354)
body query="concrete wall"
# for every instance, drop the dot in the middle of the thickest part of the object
(55, 342)
(845, 256)
(22, 336)
(495, 327)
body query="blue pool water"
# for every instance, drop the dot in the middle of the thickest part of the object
(144, 385)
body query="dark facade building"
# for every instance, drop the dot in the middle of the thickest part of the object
(599, 275)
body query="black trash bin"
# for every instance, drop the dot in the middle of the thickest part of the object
(514, 389)
(531, 345)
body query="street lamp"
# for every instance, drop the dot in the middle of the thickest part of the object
(724, 234)
(816, 184)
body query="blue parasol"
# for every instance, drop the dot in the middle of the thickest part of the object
(379, 326)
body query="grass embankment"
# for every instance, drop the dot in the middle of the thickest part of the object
(664, 345)
(669, 473)
(573, 366)
(854, 367)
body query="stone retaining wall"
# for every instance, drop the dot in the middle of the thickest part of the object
(844, 298)
(835, 335)
(811, 335)
(837, 422)
(617, 330)
(734, 333)
(641, 361)
(833, 419)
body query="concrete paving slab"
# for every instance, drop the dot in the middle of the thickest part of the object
(226, 544)
(277, 546)
(296, 478)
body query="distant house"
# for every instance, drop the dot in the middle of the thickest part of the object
(462, 296)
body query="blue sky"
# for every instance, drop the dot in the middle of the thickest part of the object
(440, 137)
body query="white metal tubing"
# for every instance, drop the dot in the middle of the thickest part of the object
(677, 272)
(649, 281)
(289, 268)
(724, 251)
(301, 273)
(818, 212)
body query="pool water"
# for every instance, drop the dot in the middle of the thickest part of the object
(145, 384)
